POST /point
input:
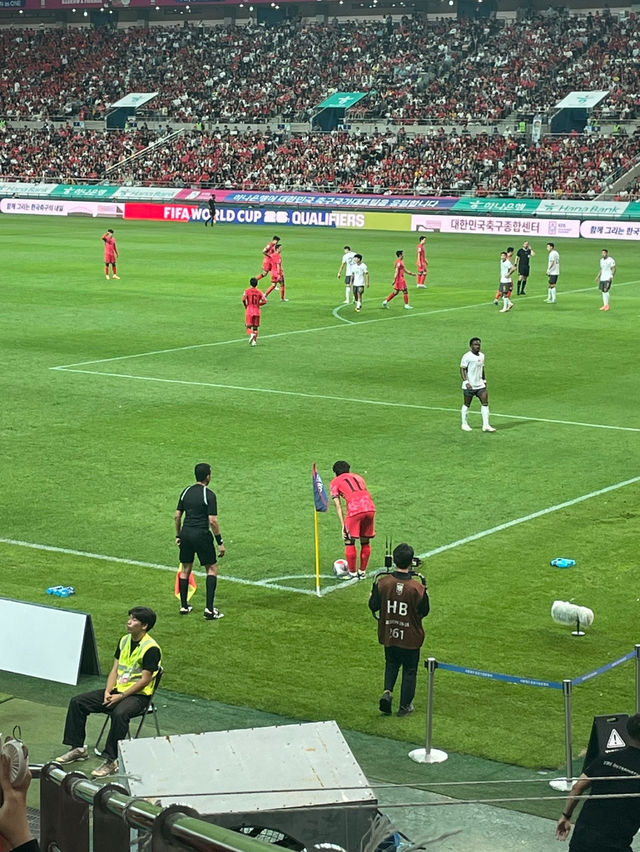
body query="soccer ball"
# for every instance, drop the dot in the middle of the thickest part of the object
(340, 568)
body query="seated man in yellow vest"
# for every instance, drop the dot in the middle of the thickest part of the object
(126, 694)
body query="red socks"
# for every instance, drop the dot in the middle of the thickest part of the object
(350, 554)
(365, 553)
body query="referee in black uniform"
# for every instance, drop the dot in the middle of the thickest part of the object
(196, 516)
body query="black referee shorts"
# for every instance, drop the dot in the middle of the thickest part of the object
(198, 542)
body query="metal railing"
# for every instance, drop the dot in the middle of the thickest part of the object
(79, 815)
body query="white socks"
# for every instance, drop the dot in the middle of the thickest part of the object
(347, 291)
(484, 410)
(605, 298)
(463, 412)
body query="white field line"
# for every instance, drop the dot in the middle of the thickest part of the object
(275, 583)
(346, 399)
(386, 318)
(459, 542)
(269, 583)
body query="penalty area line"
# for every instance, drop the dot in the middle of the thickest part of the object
(343, 320)
(332, 398)
(274, 336)
(119, 560)
(532, 516)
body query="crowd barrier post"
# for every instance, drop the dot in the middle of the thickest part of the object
(429, 754)
(637, 678)
(566, 783)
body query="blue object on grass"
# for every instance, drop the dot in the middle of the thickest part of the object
(561, 562)
(61, 591)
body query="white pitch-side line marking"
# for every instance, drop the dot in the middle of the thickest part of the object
(529, 517)
(271, 584)
(331, 398)
(386, 318)
(263, 336)
(266, 583)
(344, 319)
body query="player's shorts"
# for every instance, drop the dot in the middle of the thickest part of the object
(400, 286)
(277, 278)
(348, 279)
(553, 280)
(362, 525)
(605, 286)
(198, 542)
(110, 258)
(421, 270)
(524, 273)
(505, 287)
(252, 320)
(359, 290)
(473, 391)
(266, 264)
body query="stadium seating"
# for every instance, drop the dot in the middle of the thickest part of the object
(448, 70)
(439, 164)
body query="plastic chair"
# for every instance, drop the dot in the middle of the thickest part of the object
(150, 708)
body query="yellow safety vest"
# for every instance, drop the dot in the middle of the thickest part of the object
(130, 664)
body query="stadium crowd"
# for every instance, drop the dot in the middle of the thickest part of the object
(574, 165)
(446, 70)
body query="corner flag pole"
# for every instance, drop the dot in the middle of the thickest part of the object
(317, 552)
(320, 503)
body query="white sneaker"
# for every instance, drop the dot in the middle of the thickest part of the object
(488, 429)
(253, 342)
(79, 753)
(384, 304)
(502, 311)
(408, 307)
(465, 427)
(421, 286)
(548, 301)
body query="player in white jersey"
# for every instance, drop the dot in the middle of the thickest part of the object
(474, 383)
(506, 284)
(347, 265)
(605, 276)
(553, 271)
(359, 279)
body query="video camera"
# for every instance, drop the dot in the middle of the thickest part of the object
(416, 562)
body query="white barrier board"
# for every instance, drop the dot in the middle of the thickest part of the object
(46, 642)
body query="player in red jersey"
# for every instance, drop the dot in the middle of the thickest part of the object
(253, 299)
(277, 275)
(421, 263)
(267, 251)
(399, 282)
(360, 518)
(110, 254)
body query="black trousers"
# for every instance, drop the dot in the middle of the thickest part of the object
(408, 660)
(589, 838)
(83, 705)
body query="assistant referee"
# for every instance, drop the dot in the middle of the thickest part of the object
(196, 517)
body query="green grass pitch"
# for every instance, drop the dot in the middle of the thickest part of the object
(94, 457)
